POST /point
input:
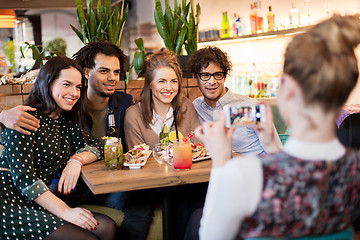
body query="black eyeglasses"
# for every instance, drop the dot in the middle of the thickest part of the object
(206, 76)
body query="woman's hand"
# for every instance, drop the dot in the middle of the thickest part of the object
(268, 137)
(69, 177)
(217, 139)
(80, 217)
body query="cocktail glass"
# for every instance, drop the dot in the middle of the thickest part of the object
(182, 155)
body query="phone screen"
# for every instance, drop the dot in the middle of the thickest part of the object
(244, 115)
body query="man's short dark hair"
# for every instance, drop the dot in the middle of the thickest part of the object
(202, 58)
(86, 55)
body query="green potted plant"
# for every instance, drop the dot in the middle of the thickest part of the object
(138, 62)
(56, 46)
(178, 28)
(102, 23)
(169, 25)
(192, 26)
(37, 54)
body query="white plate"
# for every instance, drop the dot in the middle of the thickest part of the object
(139, 165)
(202, 158)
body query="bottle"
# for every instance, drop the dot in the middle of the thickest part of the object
(271, 20)
(294, 16)
(259, 18)
(252, 19)
(233, 32)
(225, 26)
(239, 27)
(111, 130)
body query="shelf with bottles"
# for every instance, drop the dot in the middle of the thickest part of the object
(259, 81)
(216, 37)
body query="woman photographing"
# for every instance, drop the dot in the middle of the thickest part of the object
(311, 187)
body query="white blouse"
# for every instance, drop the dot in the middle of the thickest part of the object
(235, 188)
(157, 122)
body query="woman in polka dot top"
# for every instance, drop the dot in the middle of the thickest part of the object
(28, 210)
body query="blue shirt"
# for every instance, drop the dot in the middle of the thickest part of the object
(245, 140)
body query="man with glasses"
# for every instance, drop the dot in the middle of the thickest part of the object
(210, 66)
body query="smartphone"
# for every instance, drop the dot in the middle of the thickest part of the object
(244, 115)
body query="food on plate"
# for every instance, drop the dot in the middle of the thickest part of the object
(137, 155)
(198, 150)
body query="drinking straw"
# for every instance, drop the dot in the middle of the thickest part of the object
(176, 129)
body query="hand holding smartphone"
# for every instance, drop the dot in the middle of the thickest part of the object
(236, 116)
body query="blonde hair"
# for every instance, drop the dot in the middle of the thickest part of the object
(162, 58)
(323, 63)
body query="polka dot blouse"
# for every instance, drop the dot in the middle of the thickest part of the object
(27, 166)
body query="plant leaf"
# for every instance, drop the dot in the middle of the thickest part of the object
(78, 33)
(128, 75)
(99, 8)
(160, 23)
(138, 62)
(108, 7)
(89, 5)
(93, 23)
(180, 41)
(140, 44)
(169, 20)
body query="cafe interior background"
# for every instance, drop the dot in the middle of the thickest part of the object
(256, 57)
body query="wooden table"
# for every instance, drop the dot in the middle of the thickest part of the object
(152, 175)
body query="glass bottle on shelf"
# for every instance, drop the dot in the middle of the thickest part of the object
(259, 18)
(271, 20)
(294, 16)
(233, 26)
(239, 27)
(252, 19)
(225, 26)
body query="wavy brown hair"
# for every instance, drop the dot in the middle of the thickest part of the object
(323, 63)
(162, 58)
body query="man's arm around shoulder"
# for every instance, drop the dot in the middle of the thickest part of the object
(19, 119)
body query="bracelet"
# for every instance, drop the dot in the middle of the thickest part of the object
(78, 157)
(74, 160)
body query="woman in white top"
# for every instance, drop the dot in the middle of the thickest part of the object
(311, 186)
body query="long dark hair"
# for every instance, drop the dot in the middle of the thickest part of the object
(162, 58)
(41, 97)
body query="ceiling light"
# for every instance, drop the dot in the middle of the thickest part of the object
(7, 18)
